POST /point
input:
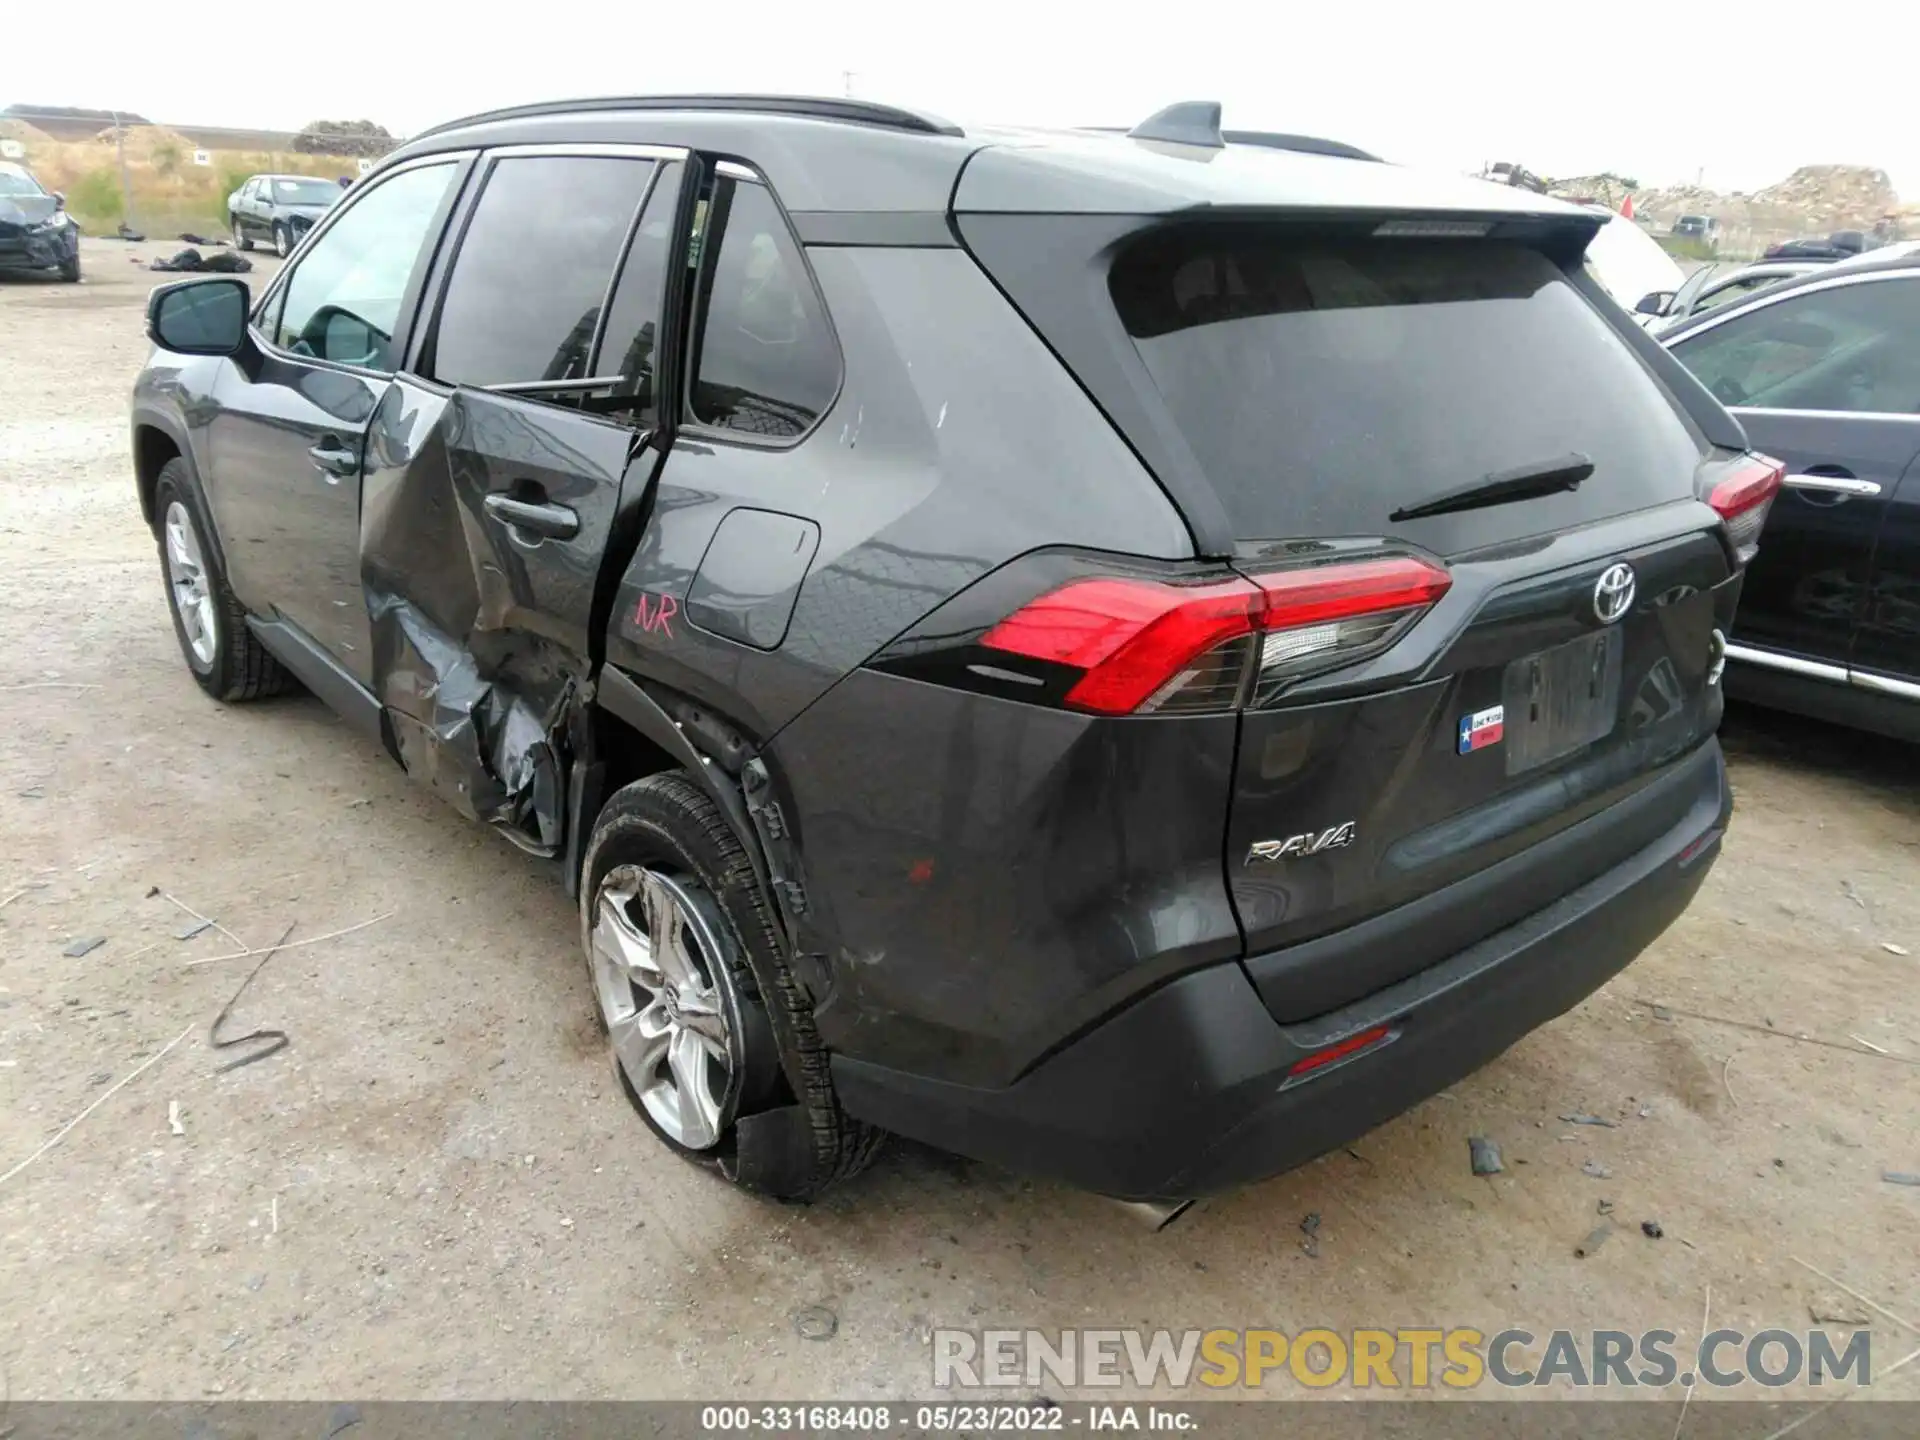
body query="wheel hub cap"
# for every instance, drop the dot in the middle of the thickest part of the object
(653, 952)
(187, 579)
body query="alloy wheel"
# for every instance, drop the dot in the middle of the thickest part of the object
(654, 955)
(191, 586)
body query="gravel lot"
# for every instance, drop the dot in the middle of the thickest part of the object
(438, 1190)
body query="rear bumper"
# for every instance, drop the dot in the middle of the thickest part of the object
(1188, 1091)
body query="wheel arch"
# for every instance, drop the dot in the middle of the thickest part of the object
(156, 440)
(630, 735)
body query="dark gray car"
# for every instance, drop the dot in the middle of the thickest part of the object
(279, 209)
(1134, 657)
(1824, 372)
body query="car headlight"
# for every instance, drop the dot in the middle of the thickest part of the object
(59, 220)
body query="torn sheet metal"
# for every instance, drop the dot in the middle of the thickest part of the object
(475, 701)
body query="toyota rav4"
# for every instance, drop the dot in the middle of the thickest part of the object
(1133, 657)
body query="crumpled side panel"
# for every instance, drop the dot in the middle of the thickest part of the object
(475, 711)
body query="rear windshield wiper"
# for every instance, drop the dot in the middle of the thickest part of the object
(1524, 482)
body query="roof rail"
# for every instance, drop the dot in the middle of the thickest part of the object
(1190, 122)
(851, 112)
(1307, 144)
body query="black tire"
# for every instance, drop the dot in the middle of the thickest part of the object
(241, 240)
(70, 268)
(240, 667)
(668, 822)
(282, 241)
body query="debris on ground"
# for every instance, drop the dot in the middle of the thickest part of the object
(191, 259)
(1862, 1040)
(173, 1118)
(66, 1129)
(815, 1322)
(192, 928)
(279, 1039)
(1596, 1237)
(85, 945)
(1899, 1177)
(1596, 1170)
(193, 239)
(1484, 1156)
(1310, 1227)
(1837, 1310)
(1605, 1207)
(345, 1416)
(1651, 1229)
(1587, 1120)
(1893, 949)
(1311, 1224)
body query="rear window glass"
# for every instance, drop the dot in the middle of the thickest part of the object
(1324, 383)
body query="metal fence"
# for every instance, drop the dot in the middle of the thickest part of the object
(120, 170)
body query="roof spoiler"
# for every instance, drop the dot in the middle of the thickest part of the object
(1197, 122)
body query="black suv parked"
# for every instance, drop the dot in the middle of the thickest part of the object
(1135, 657)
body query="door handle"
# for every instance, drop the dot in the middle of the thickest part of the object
(1839, 486)
(554, 522)
(334, 460)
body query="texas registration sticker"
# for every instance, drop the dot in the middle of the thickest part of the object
(1482, 728)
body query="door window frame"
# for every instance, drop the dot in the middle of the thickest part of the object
(694, 315)
(1739, 308)
(434, 243)
(440, 273)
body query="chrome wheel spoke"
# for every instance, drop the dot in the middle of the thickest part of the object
(187, 580)
(667, 936)
(642, 1040)
(621, 944)
(699, 1107)
(652, 943)
(702, 1019)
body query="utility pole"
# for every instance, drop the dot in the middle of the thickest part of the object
(847, 76)
(126, 186)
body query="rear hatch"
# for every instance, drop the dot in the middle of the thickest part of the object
(1433, 416)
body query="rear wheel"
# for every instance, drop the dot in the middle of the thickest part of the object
(712, 1039)
(226, 658)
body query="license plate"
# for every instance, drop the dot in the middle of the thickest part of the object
(1560, 700)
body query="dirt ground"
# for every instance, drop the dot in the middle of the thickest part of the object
(438, 1191)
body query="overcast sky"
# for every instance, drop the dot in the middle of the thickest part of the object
(1662, 92)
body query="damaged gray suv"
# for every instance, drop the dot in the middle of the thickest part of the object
(1133, 657)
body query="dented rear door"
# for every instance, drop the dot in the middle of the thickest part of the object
(504, 475)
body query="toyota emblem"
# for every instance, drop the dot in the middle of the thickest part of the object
(1613, 593)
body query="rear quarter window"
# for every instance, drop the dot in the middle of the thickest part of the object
(1323, 383)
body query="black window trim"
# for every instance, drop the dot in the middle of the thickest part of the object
(440, 273)
(404, 325)
(684, 421)
(1761, 301)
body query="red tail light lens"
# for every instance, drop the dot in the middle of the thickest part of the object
(1743, 499)
(1150, 647)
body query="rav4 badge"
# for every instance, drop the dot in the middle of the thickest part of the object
(1296, 847)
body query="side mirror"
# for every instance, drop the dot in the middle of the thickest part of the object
(200, 317)
(1655, 302)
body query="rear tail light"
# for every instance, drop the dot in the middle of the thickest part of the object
(1148, 647)
(1743, 499)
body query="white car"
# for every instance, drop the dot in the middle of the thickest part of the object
(1717, 284)
(1630, 265)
